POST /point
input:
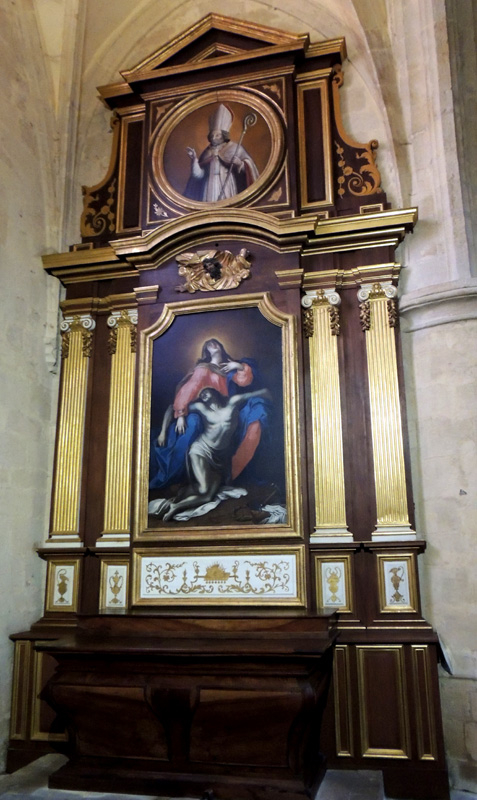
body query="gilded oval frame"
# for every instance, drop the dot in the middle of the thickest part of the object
(270, 115)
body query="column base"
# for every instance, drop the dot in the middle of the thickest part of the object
(395, 533)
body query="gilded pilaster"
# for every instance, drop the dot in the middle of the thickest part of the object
(77, 342)
(322, 328)
(117, 504)
(378, 318)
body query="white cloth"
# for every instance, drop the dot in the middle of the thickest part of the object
(225, 493)
(277, 514)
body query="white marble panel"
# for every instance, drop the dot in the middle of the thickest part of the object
(333, 584)
(396, 583)
(116, 582)
(63, 583)
(254, 576)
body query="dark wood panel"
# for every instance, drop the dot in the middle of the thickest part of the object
(132, 175)
(315, 166)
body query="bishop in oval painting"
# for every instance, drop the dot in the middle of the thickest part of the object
(217, 426)
(218, 151)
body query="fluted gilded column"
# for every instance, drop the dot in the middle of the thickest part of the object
(117, 501)
(77, 341)
(322, 329)
(378, 318)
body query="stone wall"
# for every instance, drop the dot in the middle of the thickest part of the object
(28, 327)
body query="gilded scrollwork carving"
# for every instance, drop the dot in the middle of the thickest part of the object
(258, 578)
(338, 77)
(276, 195)
(126, 318)
(308, 324)
(334, 320)
(212, 270)
(65, 344)
(99, 214)
(355, 179)
(159, 211)
(87, 343)
(323, 297)
(162, 109)
(82, 323)
(273, 88)
(112, 341)
(99, 202)
(393, 314)
(366, 180)
(134, 339)
(376, 292)
(365, 315)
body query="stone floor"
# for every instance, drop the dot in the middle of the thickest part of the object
(31, 782)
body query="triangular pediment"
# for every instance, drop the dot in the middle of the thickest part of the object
(213, 37)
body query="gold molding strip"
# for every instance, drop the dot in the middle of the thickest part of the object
(20, 689)
(36, 733)
(330, 509)
(386, 425)
(402, 217)
(117, 503)
(328, 47)
(343, 705)
(77, 332)
(426, 729)
(141, 295)
(369, 273)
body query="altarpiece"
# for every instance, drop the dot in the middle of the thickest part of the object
(232, 560)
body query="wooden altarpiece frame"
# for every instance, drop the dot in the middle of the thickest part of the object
(237, 219)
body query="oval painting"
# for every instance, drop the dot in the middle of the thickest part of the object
(218, 150)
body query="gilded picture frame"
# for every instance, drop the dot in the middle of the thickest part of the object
(255, 125)
(265, 497)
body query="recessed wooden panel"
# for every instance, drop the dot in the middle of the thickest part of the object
(314, 144)
(264, 719)
(114, 720)
(21, 680)
(342, 698)
(129, 212)
(424, 709)
(45, 723)
(384, 722)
